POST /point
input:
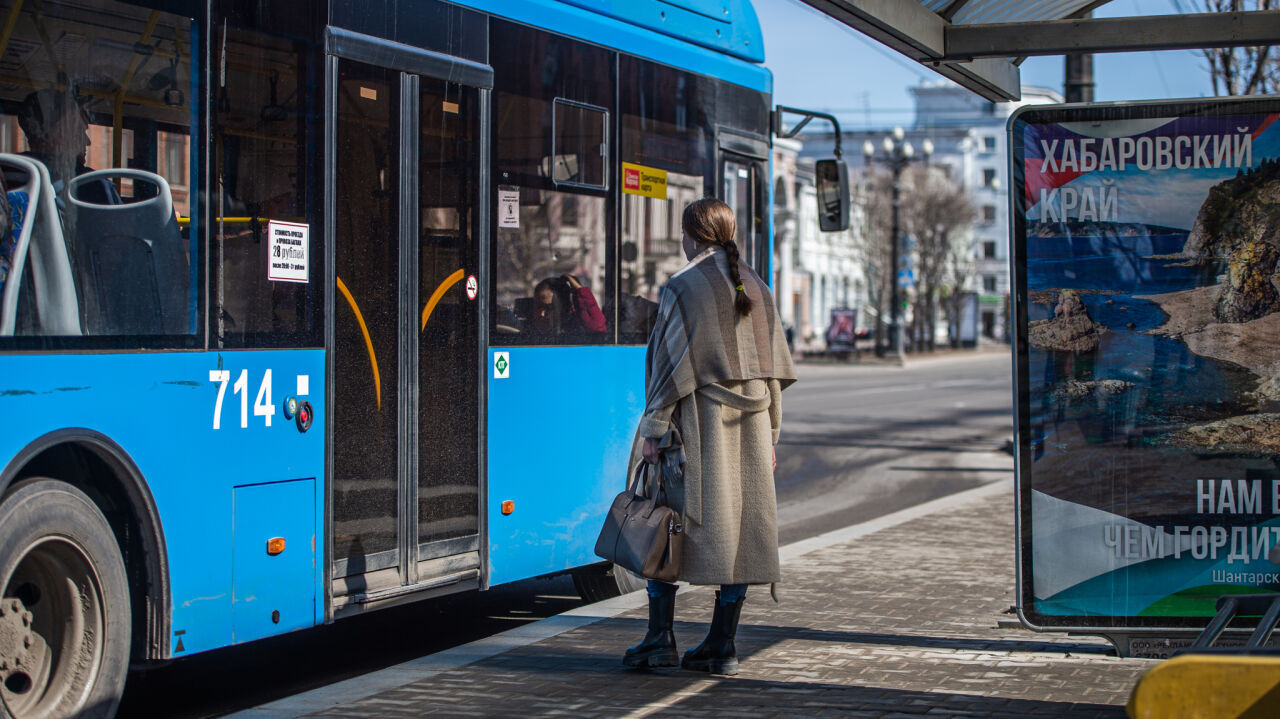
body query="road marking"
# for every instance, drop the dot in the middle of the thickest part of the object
(365, 685)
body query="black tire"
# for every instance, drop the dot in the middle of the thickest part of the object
(605, 581)
(64, 605)
(626, 581)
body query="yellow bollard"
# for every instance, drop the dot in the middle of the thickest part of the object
(1208, 686)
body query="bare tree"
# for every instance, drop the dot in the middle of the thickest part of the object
(1238, 70)
(959, 270)
(935, 210)
(873, 203)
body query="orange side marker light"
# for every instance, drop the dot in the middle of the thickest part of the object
(275, 545)
(508, 507)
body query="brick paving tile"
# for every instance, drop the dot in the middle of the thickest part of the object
(901, 622)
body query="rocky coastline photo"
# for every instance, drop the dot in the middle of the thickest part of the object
(1236, 320)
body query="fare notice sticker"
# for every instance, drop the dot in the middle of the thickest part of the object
(287, 250)
(644, 181)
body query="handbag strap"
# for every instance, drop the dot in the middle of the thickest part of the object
(658, 497)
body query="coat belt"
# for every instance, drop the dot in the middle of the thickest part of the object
(723, 395)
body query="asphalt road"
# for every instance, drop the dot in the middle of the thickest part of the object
(859, 441)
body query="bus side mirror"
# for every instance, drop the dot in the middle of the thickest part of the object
(831, 179)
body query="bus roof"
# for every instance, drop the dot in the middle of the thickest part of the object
(725, 26)
(729, 26)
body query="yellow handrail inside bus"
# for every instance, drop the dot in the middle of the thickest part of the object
(117, 109)
(9, 23)
(38, 21)
(184, 221)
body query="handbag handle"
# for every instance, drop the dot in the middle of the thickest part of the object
(653, 497)
(636, 480)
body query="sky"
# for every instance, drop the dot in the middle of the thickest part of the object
(870, 89)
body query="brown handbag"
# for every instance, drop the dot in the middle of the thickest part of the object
(641, 533)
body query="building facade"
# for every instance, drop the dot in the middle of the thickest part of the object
(814, 271)
(970, 142)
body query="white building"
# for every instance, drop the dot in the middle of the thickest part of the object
(815, 271)
(970, 141)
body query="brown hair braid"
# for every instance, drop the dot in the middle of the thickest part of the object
(711, 221)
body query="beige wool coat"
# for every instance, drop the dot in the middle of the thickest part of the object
(728, 427)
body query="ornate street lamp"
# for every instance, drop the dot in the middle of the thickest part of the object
(896, 153)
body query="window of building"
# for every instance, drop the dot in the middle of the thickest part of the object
(989, 250)
(988, 214)
(551, 258)
(989, 284)
(102, 252)
(989, 177)
(989, 143)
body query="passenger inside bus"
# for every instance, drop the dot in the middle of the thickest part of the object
(57, 131)
(560, 305)
(95, 149)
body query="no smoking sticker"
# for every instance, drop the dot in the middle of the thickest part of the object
(473, 287)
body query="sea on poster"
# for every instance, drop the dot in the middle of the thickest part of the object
(1146, 247)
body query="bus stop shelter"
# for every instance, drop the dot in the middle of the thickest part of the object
(979, 44)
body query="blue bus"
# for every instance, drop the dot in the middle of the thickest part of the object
(312, 308)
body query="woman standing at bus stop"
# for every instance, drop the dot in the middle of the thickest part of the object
(714, 372)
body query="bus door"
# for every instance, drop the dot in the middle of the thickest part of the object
(744, 179)
(404, 169)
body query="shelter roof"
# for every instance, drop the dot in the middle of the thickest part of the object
(980, 43)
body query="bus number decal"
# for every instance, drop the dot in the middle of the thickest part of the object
(241, 388)
(263, 406)
(220, 376)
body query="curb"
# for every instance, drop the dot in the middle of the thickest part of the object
(356, 688)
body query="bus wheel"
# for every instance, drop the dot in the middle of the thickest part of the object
(64, 609)
(626, 581)
(605, 581)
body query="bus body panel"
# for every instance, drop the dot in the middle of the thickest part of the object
(622, 36)
(567, 412)
(159, 409)
(225, 482)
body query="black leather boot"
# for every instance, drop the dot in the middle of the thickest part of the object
(658, 648)
(716, 654)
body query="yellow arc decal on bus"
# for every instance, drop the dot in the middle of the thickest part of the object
(644, 181)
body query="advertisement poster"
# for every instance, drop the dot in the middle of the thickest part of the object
(842, 333)
(1145, 241)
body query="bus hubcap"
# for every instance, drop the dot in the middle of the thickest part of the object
(50, 631)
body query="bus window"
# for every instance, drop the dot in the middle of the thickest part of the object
(550, 269)
(581, 151)
(266, 150)
(739, 191)
(96, 153)
(667, 131)
(552, 236)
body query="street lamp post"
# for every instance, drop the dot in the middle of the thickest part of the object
(896, 153)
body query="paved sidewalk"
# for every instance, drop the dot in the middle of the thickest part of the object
(896, 617)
